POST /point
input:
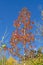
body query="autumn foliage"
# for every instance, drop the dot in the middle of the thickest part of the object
(22, 33)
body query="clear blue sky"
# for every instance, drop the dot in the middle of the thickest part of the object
(9, 11)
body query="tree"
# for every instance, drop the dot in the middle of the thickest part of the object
(22, 34)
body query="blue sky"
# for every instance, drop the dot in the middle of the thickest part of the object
(9, 11)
